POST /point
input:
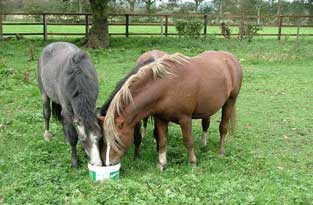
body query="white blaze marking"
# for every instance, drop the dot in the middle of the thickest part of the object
(94, 151)
(95, 155)
(81, 132)
(107, 155)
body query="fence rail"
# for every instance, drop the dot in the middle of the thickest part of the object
(163, 22)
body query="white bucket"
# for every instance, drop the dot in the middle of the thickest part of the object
(98, 173)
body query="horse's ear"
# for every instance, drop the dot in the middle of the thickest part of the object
(100, 120)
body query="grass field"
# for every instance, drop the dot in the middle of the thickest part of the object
(144, 29)
(268, 161)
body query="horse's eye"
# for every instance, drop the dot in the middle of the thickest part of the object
(76, 94)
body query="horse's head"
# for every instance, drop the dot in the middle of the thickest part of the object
(112, 150)
(89, 134)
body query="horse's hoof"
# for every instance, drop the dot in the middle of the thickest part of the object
(75, 165)
(193, 164)
(221, 153)
(136, 157)
(204, 148)
(47, 136)
(162, 167)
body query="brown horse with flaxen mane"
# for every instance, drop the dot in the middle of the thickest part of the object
(145, 57)
(174, 88)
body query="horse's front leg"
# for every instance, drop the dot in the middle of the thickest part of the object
(137, 139)
(205, 126)
(71, 133)
(162, 129)
(186, 126)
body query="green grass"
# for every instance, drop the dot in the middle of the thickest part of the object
(141, 29)
(268, 161)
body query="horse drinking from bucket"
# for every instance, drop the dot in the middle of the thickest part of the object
(68, 79)
(174, 88)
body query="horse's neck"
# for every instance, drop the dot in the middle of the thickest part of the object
(144, 101)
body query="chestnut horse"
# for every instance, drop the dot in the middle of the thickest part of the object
(144, 59)
(174, 88)
(156, 54)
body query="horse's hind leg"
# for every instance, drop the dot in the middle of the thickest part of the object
(71, 134)
(145, 124)
(227, 111)
(156, 137)
(162, 129)
(137, 139)
(47, 114)
(205, 126)
(186, 126)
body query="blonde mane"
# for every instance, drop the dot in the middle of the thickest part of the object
(124, 97)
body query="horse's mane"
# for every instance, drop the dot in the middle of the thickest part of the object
(160, 69)
(119, 85)
(82, 88)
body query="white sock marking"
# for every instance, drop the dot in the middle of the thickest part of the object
(162, 158)
(204, 138)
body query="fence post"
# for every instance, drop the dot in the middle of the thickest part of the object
(280, 23)
(127, 24)
(1, 29)
(205, 24)
(298, 28)
(162, 32)
(44, 21)
(86, 25)
(166, 25)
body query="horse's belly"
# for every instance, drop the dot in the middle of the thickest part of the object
(209, 103)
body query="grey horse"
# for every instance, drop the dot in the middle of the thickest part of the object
(68, 84)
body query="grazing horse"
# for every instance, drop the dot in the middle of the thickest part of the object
(174, 88)
(68, 80)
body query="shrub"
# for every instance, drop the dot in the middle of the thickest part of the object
(248, 31)
(189, 28)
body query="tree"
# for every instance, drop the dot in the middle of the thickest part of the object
(149, 4)
(98, 36)
(198, 2)
(132, 5)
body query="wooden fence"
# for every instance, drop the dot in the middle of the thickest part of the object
(163, 23)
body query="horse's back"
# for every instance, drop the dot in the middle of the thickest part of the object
(204, 83)
(154, 54)
(55, 51)
(52, 61)
(226, 63)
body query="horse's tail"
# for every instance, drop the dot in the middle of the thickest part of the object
(233, 121)
(56, 111)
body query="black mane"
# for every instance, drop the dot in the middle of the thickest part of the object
(107, 103)
(82, 88)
